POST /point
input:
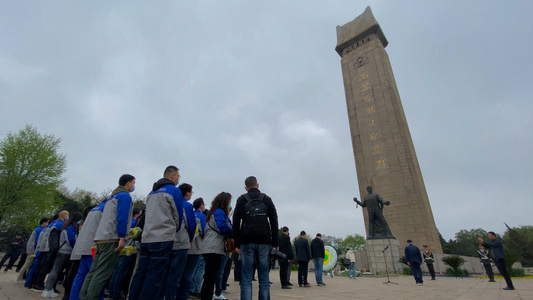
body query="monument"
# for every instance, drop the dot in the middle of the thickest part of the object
(384, 153)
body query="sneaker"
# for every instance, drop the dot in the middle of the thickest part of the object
(194, 295)
(508, 288)
(320, 284)
(45, 294)
(54, 294)
(220, 297)
(37, 288)
(307, 285)
(286, 287)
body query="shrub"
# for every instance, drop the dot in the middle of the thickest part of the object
(516, 272)
(407, 271)
(457, 272)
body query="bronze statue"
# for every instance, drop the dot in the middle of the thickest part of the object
(377, 226)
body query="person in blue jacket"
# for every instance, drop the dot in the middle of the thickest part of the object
(218, 228)
(110, 237)
(69, 233)
(414, 259)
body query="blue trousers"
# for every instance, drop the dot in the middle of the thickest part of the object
(250, 254)
(319, 266)
(147, 281)
(417, 271)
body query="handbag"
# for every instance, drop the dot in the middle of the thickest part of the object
(347, 261)
(229, 245)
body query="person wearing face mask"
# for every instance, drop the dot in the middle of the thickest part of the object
(163, 218)
(110, 237)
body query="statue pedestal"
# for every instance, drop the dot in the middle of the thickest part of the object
(377, 259)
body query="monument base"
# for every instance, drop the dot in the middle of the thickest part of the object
(380, 261)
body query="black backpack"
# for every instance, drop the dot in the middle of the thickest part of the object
(53, 239)
(256, 224)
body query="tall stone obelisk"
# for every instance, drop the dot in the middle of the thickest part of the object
(385, 156)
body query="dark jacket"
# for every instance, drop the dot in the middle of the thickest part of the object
(317, 248)
(238, 220)
(302, 249)
(412, 254)
(285, 246)
(496, 248)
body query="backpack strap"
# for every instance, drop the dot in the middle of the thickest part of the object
(248, 199)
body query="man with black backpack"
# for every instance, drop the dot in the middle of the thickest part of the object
(48, 247)
(255, 225)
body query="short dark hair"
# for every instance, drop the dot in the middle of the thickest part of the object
(492, 232)
(124, 179)
(303, 233)
(251, 181)
(169, 171)
(285, 229)
(318, 234)
(425, 246)
(136, 211)
(409, 241)
(197, 203)
(55, 217)
(43, 220)
(185, 188)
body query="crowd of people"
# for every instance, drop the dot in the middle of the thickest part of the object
(173, 249)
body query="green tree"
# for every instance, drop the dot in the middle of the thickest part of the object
(31, 170)
(356, 242)
(466, 242)
(518, 241)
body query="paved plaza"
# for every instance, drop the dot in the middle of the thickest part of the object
(344, 288)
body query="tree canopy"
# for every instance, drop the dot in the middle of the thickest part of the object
(31, 170)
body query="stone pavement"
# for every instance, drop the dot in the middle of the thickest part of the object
(344, 288)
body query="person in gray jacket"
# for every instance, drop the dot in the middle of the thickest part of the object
(110, 237)
(83, 248)
(218, 228)
(180, 248)
(163, 217)
(67, 240)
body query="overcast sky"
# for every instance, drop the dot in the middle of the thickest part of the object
(228, 89)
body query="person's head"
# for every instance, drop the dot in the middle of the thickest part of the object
(491, 235)
(73, 219)
(172, 173)
(250, 183)
(136, 213)
(186, 191)
(43, 222)
(409, 242)
(481, 247)
(198, 204)
(127, 181)
(285, 230)
(302, 233)
(369, 189)
(18, 236)
(55, 217)
(86, 211)
(63, 215)
(347, 249)
(222, 201)
(318, 235)
(426, 247)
